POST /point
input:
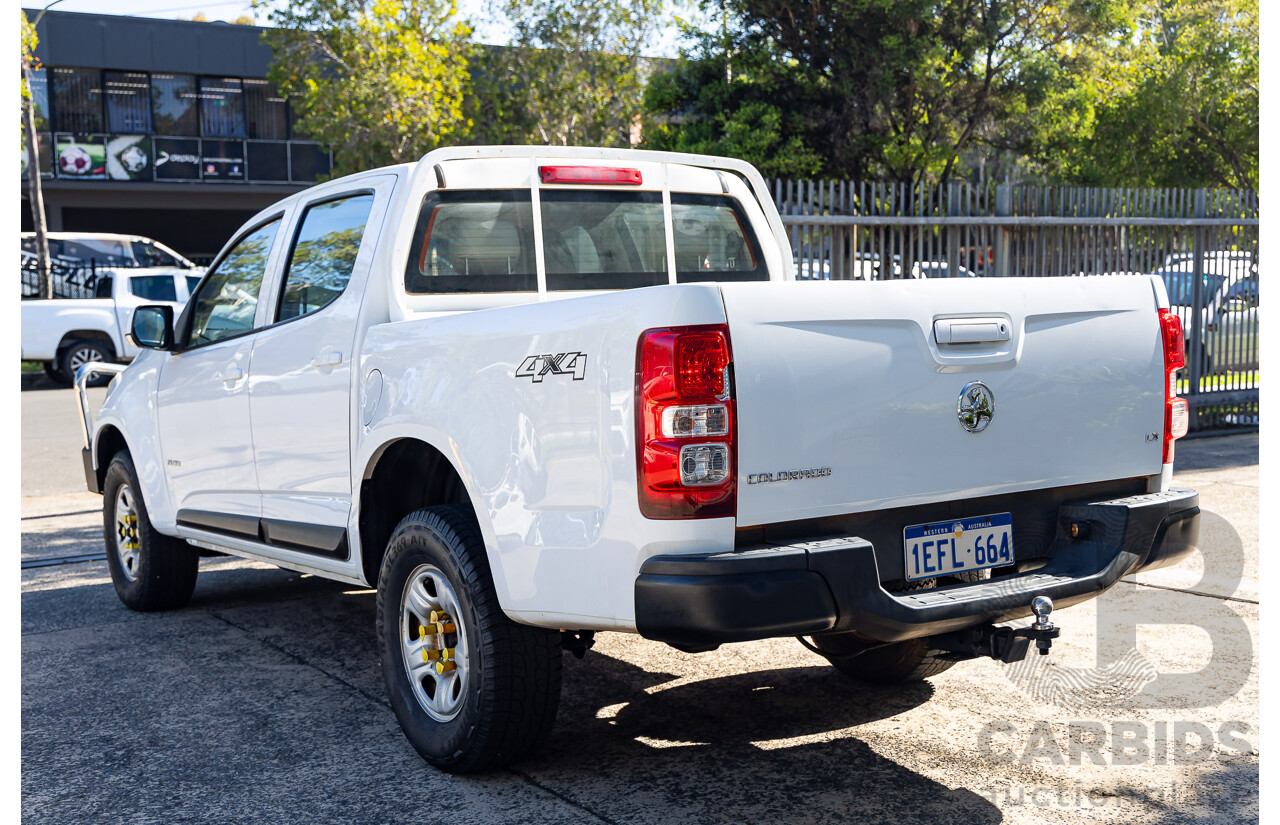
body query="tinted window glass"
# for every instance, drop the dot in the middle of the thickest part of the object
(154, 288)
(603, 240)
(323, 254)
(77, 99)
(221, 107)
(1181, 287)
(103, 252)
(713, 242)
(193, 281)
(307, 162)
(478, 241)
(147, 254)
(264, 108)
(228, 296)
(40, 98)
(173, 104)
(128, 102)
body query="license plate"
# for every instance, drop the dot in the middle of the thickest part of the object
(955, 546)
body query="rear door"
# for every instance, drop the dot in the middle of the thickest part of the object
(849, 398)
(300, 391)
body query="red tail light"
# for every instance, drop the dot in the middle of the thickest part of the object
(1177, 414)
(685, 423)
(600, 175)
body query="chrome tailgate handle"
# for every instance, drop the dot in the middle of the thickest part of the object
(971, 330)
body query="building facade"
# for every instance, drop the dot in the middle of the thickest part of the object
(162, 128)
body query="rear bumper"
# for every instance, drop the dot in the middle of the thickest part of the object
(833, 583)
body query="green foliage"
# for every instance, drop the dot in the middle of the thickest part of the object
(375, 81)
(573, 74)
(1173, 101)
(1138, 92)
(29, 61)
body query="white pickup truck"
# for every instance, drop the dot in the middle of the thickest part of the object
(66, 333)
(530, 393)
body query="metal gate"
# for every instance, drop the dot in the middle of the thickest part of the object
(1202, 243)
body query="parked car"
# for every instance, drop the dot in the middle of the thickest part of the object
(1218, 259)
(1231, 328)
(1229, 315)
(104, 248)
(444, 380)
(66, 333)
(939, 269)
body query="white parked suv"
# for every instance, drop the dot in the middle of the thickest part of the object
(530, 393)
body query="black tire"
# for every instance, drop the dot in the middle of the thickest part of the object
(52, 370)
(511, 684)
(76, 353)
(892, 664)
(158, 572)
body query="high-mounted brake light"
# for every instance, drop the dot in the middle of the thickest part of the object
(599, 175)
(1177, 414)
(685, 423)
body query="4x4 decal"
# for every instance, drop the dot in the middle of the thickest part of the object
(564, 363)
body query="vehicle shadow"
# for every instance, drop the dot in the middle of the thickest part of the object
(40, 381)
(777, 745)
(1216, 452)
(633, 742)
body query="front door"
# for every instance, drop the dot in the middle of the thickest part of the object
(203, 399)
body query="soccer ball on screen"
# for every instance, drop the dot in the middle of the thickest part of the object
(74, 160)
(133, 159)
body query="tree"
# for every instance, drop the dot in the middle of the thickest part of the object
(375, 81)
(1174, 102)
(573, 74)
(899, 89)
(35, 195)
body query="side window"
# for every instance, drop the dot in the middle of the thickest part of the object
(193, 281)
(154, 288)
(713, 241)
(147, 254)
(473, 241)
(228, 295)
(323, 255)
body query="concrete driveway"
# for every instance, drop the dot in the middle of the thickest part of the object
(262, 701)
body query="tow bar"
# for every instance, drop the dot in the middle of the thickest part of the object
(1005, 644)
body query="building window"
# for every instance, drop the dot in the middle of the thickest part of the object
(128, 102)
(40, 98)
(77, 97)
(221, 107)
(173, 103)
(264, 110)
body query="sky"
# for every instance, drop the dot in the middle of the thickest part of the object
(487, 28)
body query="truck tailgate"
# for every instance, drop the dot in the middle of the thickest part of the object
(847, 402)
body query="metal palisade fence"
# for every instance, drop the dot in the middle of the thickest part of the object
(1202, 242)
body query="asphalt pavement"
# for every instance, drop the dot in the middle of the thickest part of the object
(262, 700)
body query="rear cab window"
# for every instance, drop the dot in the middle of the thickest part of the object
(601, 237)
(154, 288)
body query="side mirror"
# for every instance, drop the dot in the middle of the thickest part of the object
(152, 327)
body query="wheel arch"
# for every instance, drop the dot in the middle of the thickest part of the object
(95, 335)
(109, 442)
(403, 474)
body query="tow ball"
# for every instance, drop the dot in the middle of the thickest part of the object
(1005, 644)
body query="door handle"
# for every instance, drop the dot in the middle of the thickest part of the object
(232, 374)
(329, 358)
(971, 330)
